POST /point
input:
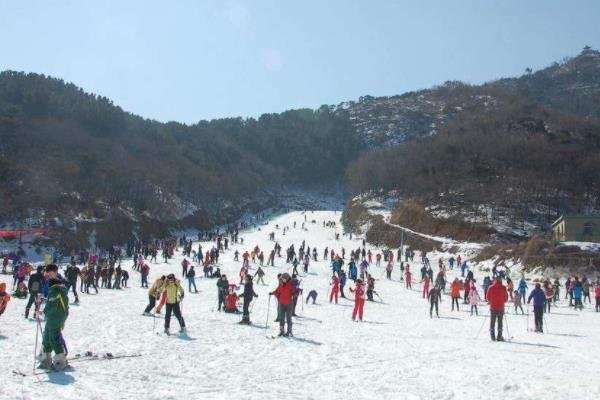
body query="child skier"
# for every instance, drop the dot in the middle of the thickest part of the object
(474, 300)
(517, 302)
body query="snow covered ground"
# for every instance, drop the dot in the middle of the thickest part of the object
(398, 352)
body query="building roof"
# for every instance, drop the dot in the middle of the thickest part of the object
(576, 216)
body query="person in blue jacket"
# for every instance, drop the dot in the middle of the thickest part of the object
(522, 289)
(342, 282)
(353, 270)
(578, 294)
(539, 300)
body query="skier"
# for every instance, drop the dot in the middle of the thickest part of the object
(231, 299)
(191, 277)
(260, 273)
(335, 287)
(4, 297)
(370, 287)
(522, 289)
(597, 292)
(497, 296)
(455, 293)
(222, 286)
(388, 269)
(517, 302)
(577, 294)
(539, 299)
(248, 296)
(184, 267)
(175, 295)
(145, 272)
(408, 276)
(154, 294)
(474, 300)
(434, 297)
(352, 270)
(359, 300)
(35, 287)
(342, 283)
(549, 293)
(426, 281)
(284, 293)
(72, 273)
(56, 312)
(312, 295)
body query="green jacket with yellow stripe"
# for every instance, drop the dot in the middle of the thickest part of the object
(57, 305)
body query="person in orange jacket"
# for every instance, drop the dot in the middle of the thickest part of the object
(4, 297)
(455, 293)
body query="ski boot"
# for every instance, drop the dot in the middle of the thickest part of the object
(45, 361)
(60, 362)
(167, 332)
(182, 331)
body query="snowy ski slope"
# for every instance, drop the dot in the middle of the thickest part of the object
(398, 352)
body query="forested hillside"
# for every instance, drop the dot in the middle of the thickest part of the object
(63, 150)
(526, 145)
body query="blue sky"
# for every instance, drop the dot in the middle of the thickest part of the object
(192, 60)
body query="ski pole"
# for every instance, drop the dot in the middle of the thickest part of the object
(481, 327)
(527, 317)
(268, 309)
(506, 322)
(153, 323)
(37, 333)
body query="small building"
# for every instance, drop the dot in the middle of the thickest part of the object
(577, 228)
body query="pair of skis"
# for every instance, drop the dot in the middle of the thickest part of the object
(87, 356)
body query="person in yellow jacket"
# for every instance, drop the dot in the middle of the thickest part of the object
(172, 287)
(154, 294)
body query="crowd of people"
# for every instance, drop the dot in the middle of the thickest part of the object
(102, 269)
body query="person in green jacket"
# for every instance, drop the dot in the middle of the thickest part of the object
(56, 312)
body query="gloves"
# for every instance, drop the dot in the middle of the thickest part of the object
(270, 294)
(255, 295)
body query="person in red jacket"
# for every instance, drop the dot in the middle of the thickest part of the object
(497, 296)
(335, 288)
(359, 299)
(284, 293)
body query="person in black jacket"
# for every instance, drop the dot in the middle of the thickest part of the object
(35, 288)
(248, 295)
(222, 286)
(72, 273)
